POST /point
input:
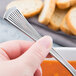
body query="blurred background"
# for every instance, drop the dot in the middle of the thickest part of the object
(9, 32)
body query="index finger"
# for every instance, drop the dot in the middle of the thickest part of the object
(15, 48)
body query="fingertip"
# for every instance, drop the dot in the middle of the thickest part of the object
(46, 42)
(38, 72)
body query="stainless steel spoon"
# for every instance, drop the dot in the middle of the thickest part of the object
(18, 20)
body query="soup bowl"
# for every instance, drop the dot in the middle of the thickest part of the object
(51, 67)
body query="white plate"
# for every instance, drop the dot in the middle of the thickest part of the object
(67, 53)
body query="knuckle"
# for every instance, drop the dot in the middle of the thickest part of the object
(40, 52)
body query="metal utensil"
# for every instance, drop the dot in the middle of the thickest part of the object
(18, 20)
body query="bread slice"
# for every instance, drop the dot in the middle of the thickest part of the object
(63, 4)
(64, 27)
(71, 20)
(57, 18)
(28, 8)
(55, 28)
(48, 10)
(73, 2)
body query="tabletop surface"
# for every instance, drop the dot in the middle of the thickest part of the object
(9, 32)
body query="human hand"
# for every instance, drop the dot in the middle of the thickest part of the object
(23, 58)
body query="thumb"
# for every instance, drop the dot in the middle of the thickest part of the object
(36, 54)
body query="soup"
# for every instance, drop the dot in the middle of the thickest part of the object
(54, 68)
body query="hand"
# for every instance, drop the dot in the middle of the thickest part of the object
(23, 58)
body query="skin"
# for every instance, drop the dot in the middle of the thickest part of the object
(23, 58)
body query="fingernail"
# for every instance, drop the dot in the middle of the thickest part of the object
(46, 42)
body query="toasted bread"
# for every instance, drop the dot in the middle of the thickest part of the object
(57, 18)
(28, 8)
(55, 28)
(63, 4)
(64, 27)
(73, 2)
(48, 10)
(71, 20)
